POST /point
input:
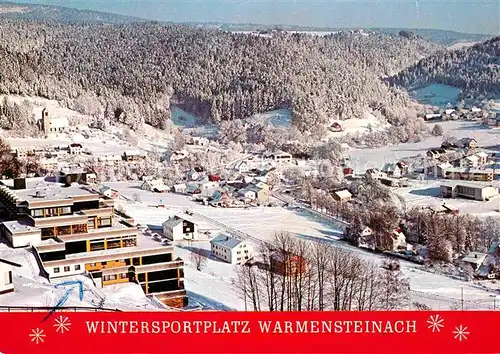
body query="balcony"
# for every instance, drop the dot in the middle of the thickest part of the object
(53, 221)
(145, 268)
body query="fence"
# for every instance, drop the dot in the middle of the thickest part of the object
(52, 309)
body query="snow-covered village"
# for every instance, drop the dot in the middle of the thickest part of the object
(151, 166)
(192, 219)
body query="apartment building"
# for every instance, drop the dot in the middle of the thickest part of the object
(75, 230)
(468, 174)
(231, 250)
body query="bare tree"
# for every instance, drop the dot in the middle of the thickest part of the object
(437, 130)
(199, 259)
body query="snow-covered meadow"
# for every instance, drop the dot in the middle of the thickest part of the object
(213, 286)
(376, 158)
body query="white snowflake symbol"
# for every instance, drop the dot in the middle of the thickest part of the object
(461, 333)
(435, 323)
(37, 335)
(62, 324)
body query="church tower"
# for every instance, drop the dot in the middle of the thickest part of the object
(45, 121)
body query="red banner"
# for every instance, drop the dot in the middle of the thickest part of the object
(250, 332)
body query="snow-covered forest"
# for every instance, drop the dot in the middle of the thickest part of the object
(475, 70)
(133, 72)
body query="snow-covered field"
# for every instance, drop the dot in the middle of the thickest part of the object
(276, 118)
(461, 45)
(213, 287)
(376, 158)
(361, 126)
(437, 95)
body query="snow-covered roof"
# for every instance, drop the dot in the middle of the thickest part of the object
(172, 223)
(482, 154)
(472, 158)
(445, 165)
(226, 241)
(475, 257)
(343, 194)
(19, 226)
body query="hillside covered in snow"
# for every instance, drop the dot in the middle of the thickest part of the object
(133, 73)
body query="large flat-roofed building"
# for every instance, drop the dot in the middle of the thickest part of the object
(469, 174)
(468, 190)
(75, 230)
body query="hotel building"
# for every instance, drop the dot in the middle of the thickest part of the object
(75, 230)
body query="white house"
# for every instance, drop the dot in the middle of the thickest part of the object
(392, 169)
(398, 240)
(482, 157)
(342, 196)
(247, 194)
(208, 185)
(475, 259)
(180, 188)
(242, 167)
(193, 175)
(375, 173)
(155, 185)
(282, 157)
(199, 140)
(366, 238)
(75, 149)
(231, 250)
(469, 161)
(440, 168)
(181, 227)
(6, 283)
(179, 155)
(109, 192)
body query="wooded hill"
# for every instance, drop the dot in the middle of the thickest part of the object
(475, 70)
(133, 72)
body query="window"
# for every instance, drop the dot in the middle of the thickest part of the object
(77, 267)
(56, 270)
(48, 232)
(51, 212)
(66, 210)
(79, 229)
(238, 259)
(246, 251)
(66, 268)
(246, 257)
(8, 278)
(102, 222)
(92, 264)
(37, 213)
(63, 230)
